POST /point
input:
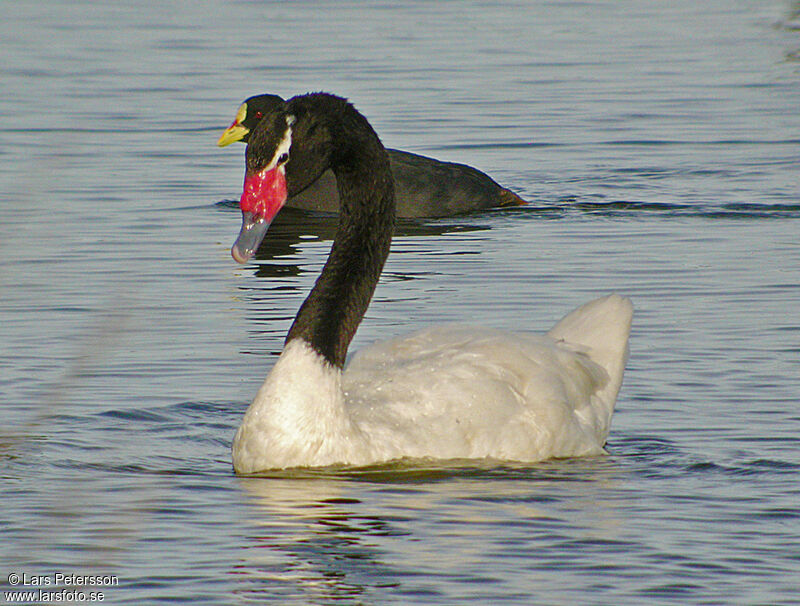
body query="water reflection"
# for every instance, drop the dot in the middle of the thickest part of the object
(792, 20)
(346, 536)
(791, 23)
(292, 227)
(313, 544)
(296, 246)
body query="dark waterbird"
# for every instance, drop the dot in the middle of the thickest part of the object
(424, 187)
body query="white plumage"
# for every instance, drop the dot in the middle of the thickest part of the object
(445, 392)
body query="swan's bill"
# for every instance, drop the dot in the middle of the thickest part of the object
(254, 228)
(263, 195)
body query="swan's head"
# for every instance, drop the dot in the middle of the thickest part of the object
(288, 149)
(250, 113)
(264, 192)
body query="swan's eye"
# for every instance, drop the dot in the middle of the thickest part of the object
(259, 115)
(283, 158)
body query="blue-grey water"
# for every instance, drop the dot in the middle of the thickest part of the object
(659, 146)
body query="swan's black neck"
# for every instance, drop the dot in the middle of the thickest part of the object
(330, 315)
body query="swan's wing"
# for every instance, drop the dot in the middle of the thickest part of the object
(479, 392)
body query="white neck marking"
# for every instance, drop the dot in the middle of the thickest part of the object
(284, 145)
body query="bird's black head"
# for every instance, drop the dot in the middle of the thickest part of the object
(288, 149)
(304, 125)
(248, 115)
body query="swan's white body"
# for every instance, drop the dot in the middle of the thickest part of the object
(445, 392)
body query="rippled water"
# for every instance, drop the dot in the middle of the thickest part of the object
(659, 145)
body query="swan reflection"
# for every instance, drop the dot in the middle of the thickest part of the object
(314, 543)
(358, 535)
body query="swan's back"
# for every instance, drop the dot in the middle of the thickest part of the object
(464, 392)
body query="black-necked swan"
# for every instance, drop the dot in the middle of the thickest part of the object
(423, 187)
(449, 392)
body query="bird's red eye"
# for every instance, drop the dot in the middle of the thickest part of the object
(259, 115)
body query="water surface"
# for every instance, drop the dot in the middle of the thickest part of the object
(658, 146)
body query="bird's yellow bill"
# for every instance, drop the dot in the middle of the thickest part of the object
(236, 131)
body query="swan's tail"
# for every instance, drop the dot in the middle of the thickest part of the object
(601, 327)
